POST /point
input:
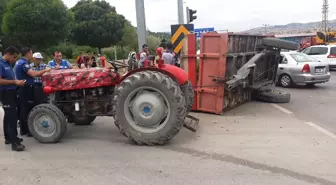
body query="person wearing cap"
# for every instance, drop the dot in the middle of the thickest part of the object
(37, 65)
(23, 71)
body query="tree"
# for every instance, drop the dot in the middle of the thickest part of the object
(97, 24)
(130, 38)
(153, 43)
(37, 23)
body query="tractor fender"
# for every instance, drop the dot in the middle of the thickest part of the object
(172, 71)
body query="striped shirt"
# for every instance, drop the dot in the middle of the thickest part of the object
(38, 80)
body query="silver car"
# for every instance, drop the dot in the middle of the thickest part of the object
(299, 68)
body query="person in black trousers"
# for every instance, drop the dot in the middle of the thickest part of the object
(23, 71)
(8, 87)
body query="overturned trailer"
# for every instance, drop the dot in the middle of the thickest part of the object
(232, 69)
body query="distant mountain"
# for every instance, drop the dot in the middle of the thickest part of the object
(292, 28)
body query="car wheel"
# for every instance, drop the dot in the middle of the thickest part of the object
(285, 80)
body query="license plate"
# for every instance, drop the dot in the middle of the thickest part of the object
(319, 70)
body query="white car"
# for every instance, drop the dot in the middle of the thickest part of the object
(299, 68)
(323, 53)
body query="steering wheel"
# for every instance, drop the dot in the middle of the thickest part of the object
(116, 65)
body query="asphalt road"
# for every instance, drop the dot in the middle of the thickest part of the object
(254, 144)
(316, 104)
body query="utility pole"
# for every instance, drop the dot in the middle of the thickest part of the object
(141, 23)
(180, 11)
(325, 10)
(265, 26)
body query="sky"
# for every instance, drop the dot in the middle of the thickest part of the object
(231, 15)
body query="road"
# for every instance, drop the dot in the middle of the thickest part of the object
(317, 104)
(254, 144)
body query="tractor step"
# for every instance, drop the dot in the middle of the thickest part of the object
(192, 123)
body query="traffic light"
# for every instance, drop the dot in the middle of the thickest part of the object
(191, 15)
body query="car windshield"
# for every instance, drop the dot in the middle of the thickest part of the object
(300, 57)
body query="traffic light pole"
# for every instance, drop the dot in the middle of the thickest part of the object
(180, 11)
(188, 16)
(141, 23)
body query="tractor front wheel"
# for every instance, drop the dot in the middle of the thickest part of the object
(149, 108)
(47, 123)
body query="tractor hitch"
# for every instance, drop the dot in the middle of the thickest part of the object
(192, 123)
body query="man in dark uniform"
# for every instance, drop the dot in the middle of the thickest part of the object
(8, 87)
(23, 71)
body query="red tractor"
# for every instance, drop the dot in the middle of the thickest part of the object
(149, 105)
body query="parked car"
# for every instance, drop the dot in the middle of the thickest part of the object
(323, 53)
(299, 68)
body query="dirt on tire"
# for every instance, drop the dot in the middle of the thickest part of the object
(168, 88)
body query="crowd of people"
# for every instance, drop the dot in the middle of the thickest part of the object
(166, 49)
(89, 61)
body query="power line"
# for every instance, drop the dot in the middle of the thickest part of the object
(265, 26)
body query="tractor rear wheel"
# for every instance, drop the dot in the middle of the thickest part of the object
(188, 92)
(86, 120)
(149, 108)
(47, 123)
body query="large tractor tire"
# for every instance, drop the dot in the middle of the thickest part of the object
(86, 120)
(47, 123)
(273, 96)
(149, 108)
(189, 95)
(281, 44)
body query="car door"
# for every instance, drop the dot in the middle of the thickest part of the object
(283, 65)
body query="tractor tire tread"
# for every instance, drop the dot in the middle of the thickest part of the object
(273, 96)
(281, 44)
(152, 78)
(189, 95)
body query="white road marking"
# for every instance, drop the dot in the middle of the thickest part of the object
(281, 108)
(322, 130)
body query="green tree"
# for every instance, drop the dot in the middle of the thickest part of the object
(97, 24)
(153, 43)
(37, 23)
(130, 37)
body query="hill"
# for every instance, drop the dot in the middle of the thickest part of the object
(292, 28)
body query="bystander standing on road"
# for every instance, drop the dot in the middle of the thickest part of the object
(167, 56)
(37, 65)
(143, 55)
(80, 59)
(8, 96)
(58, 62)
(23, 71)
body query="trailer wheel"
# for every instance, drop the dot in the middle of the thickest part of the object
(188, 92)
(149, 108)
(273, 96)
(281, 44)
(86, 120)
(47, 123)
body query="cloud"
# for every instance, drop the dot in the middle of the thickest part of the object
(234, 15)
